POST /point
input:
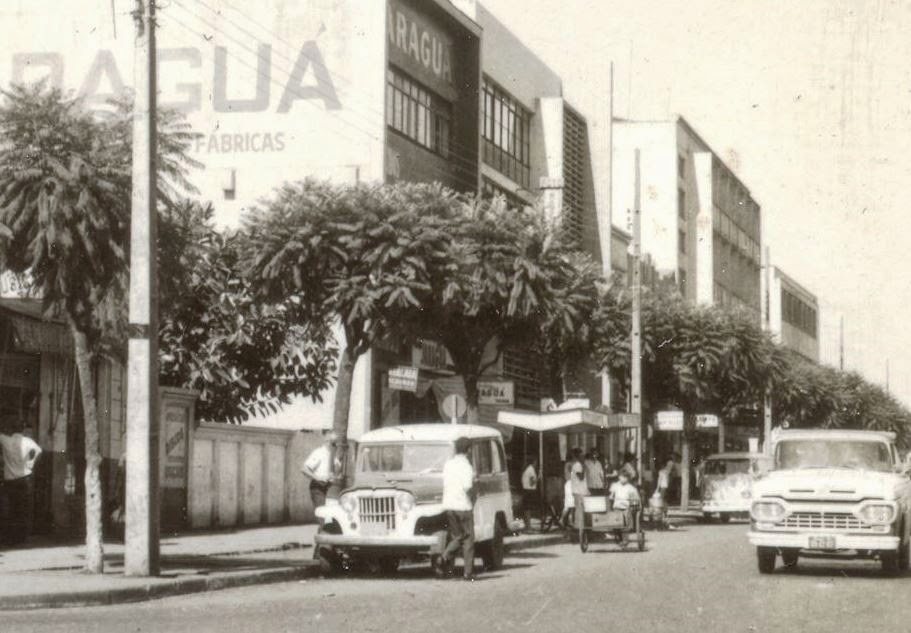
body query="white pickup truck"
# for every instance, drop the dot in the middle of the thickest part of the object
(832, 492)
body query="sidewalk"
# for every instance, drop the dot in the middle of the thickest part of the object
(42, 577)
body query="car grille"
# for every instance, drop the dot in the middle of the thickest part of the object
(823, 521)
(377, 512)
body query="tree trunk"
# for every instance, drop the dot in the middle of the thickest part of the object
(473, 415)
(94, 548)
(340, 421)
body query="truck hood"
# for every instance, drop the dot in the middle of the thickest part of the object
(841, 484)
(426, 488)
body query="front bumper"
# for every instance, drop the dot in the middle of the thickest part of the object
(800, 540)
(432, 544)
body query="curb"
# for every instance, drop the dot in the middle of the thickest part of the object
(183, 586)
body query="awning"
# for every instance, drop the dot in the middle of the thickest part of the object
(569, 421)
(33, 334)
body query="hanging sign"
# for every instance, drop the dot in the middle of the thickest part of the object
(496, 392)
(404, 378)
(669, 421)
(706, 421)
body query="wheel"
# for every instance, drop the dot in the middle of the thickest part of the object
(889, 562)
(493, 552)
(583, 540)
(640, 540)
(330, 562)
(789, 557)
(724, 517)
(706, 517)
(765, 558)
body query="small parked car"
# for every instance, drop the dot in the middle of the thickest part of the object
(392, 509)
(833, 493)
(727, 483)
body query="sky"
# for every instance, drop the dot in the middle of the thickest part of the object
(809, 102)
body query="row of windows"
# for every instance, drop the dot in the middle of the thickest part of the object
(731, 232)
(725, 297)
(417, 113)
(798, 313)
(506, 130)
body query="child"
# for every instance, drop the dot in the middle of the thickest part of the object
(623, 497)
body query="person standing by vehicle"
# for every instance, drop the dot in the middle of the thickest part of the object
(458, 503)
(594, 473)
(19, 455)
(529, 492)
(317, 468)
(579, 487)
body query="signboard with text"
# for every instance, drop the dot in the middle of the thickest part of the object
(404, 378)
(706, 421)
(496, 392)
(669, 421)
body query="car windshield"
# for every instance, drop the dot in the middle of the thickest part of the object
(856, 454)
(403, 457)
(727, 466)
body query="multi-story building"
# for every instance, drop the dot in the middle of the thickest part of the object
(351, 91)
(793, 314)
(700, 224)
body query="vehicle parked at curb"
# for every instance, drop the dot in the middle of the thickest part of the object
(835, 493)
(727, 483)
(393, 508)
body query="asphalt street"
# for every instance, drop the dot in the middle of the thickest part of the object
(700, 578)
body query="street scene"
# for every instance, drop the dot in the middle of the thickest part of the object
(398, 314)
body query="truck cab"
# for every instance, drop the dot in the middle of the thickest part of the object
(835, 493)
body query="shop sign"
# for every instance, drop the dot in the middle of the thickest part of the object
(416, 43)
(175, 447)
(669, 421)
(430, 355)
(404, 378)
(496, 392)
(706, 421)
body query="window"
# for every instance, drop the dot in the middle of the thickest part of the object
(417, 113)
(798, 313)
(481, 457)
(681, 166)
(681, 203)
(498, 464)
(681, 241)
(506, 131)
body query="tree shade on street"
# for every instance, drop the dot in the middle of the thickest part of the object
(65, 186)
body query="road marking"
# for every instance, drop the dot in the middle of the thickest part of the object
(538, 612)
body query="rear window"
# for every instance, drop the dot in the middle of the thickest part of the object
(403, 457)
(727, 466)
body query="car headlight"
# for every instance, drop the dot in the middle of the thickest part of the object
(405, 501)
(348, 502)
(767, 511)
(877, 513)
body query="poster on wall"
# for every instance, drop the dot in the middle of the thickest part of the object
(175, 447)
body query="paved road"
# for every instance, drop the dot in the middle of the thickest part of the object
(702, 578)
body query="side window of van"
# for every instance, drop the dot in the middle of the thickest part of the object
(498, 462)
(481, 457)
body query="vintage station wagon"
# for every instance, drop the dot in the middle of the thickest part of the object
(393, 511)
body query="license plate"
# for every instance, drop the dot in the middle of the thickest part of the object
(374, 529)
(821, 542)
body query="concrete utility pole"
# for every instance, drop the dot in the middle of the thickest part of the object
(635, 330)
(142, 530)
(766, 326)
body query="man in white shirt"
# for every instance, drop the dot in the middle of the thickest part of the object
(19, 455)
(664, 483)
(579, 487)
(458, 502)
(594, 473)
(529, 492)
(318, 468)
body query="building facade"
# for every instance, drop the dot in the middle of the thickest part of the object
(793, 315)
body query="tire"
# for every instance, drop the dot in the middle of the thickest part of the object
(330, 562)
(789, 557)
(889, 562)
(583, 541)
(706, 517)
(765, 559)
(494, 551)
(724, 517)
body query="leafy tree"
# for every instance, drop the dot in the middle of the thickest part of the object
(356, 254)
(65, 187)
(244, 356)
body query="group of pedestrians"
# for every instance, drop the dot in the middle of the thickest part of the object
(588, 474)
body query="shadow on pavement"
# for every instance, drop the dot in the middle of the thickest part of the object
(872, 570)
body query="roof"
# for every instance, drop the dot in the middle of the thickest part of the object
(565, 421)
(738, 455)
(435, 432)
(829, 434)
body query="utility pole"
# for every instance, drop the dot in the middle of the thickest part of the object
(141, 556)
(635, 330)
(766, 307)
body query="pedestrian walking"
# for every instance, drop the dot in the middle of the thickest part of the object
(20, 453)
(661, 492)
(579, 487)
(529, 492)
(458, 502)
(318, 468)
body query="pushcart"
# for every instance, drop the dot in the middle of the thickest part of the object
(616, 526)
